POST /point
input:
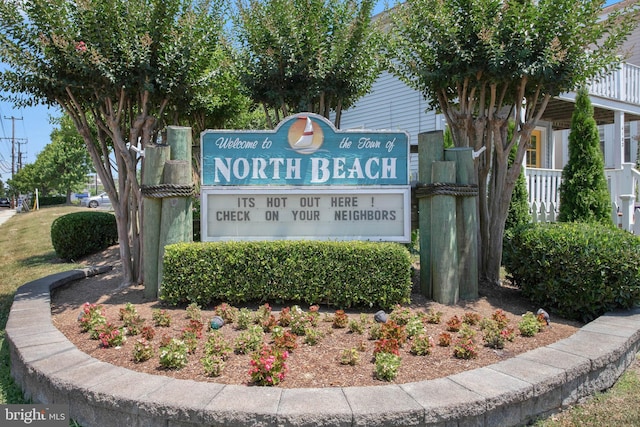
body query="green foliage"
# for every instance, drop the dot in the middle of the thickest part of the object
(173, 355)
(584, 196)
(475, 59)
(580, 270)
(51, 200)
(342, 274)
(308, 55)
(519, 205)
(529, 326)
(83, 233)
(386, 366)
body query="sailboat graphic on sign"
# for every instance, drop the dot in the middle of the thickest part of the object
(306, 139)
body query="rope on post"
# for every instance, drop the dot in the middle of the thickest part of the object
(446, 189)
(162, 191)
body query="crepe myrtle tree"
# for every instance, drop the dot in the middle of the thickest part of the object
(308, 55)
(485, 62)
(122, 70)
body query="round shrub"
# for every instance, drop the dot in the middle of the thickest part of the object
(580, 270)
(83, 233)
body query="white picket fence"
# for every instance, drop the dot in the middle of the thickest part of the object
(544, 197)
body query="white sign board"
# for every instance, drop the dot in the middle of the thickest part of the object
(307, 213)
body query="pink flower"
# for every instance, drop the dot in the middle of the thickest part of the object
(81, 47)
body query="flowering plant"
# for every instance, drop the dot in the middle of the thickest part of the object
(386, 366)
(387, 345)
(465, 349)
(421, 345)
(454, 324)
(161, 317)
(142, 350)
(444, 339)
(173, 355)
(92, 317)
(110, 335)
(340, 319)
(286, 341)
(350, 356)
(268, 366)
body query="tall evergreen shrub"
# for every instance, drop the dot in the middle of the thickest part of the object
(584, 196)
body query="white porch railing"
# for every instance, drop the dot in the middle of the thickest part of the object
(544, 196)
(622, 84)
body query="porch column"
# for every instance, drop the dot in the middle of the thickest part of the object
(618, 139)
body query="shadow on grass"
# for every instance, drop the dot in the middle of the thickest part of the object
(9, 390)
(40, 259)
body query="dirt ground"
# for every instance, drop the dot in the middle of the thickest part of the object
(309, 366)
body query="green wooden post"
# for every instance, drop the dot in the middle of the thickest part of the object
(154, 160)
(176, 216)
(466, 223)
(444, 248)
(180, 140)
(430, 149)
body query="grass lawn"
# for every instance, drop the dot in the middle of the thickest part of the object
(27, 254)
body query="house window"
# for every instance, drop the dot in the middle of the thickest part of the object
(533, 151)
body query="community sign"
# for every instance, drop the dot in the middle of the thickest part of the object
(305, 180)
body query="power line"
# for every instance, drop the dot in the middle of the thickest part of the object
(14, 140)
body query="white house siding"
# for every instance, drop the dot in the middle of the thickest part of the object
(392, 105)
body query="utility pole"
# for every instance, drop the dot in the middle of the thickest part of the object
(13, 149)
(13, 143)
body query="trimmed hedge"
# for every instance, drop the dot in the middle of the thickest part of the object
(580, 270)
(52, 200)
(83, 233)
(341, 274)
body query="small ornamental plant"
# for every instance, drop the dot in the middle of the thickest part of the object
(194, 312)
(268, 366)
(454, 324)
(217, 345)
(340, 319)
(213, 365)
(190, 339)
(269, 323)
(284, 318)
(444, 339)
(228, 312)
(387, 345)
(128, 311)
(133, 323)
(358, 326)
(161, 318)
(414, 327)
(350, 356)
(529, 325)
(421, 345)
(386, 366)
(262, 314)
(244, 319)
(300, 321)
(375, 331)
(110, 335)
(500, 317)
(466, 332)
(312, 336)
(433, 317)
(173, 355)
(148, 333)
(400, 315)
(142, 350)
(249, 340)
(91, 317)
(287, 341)
(314, 314)
(470, 318)
(465, 349)
(492, 334)
(391, 330)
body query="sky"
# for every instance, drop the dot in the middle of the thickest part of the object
(32, 129)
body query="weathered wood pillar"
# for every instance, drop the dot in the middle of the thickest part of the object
(444, 248)
(154, 160)
(430, 149)
(466, 222)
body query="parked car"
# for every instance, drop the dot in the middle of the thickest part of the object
(101, 199)
(4, 202)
